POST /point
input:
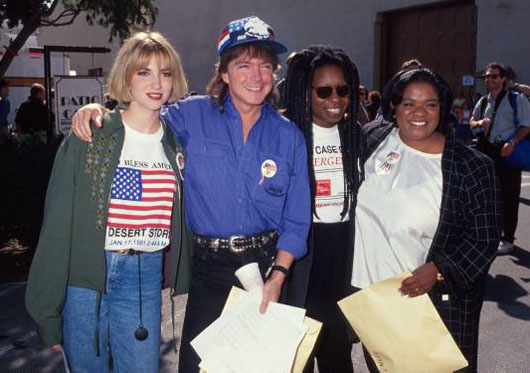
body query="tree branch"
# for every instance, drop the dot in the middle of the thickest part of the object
(119, 17)
(29, 28)
(58, 21)
(58, 24)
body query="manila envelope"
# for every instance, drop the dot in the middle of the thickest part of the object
(308, 341)
(402, 334)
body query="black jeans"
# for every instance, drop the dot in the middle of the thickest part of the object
(510, 185)
(326, 283)
(212, 277)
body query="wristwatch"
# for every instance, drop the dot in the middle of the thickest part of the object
(276, 267)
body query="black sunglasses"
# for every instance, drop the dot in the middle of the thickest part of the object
(326, 91)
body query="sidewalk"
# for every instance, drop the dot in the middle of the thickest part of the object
(504, 334)
(21, 350)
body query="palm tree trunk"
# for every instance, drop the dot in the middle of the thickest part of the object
(15, 46)
(30, 25)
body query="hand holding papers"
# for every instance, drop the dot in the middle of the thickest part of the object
(243, 340)
(402, 334)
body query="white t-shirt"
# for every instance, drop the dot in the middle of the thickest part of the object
(329, 175)
(397, 212)
(141, 198)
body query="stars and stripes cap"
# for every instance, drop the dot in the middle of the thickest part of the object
(248, 30)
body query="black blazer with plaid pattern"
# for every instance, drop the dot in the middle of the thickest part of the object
(467, 236)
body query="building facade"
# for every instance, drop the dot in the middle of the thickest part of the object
(454, 37)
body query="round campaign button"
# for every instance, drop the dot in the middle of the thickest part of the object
(181, 162)
(268, 168)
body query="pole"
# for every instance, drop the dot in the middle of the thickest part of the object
(47, 84)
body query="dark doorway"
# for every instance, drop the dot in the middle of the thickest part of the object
(442, 36)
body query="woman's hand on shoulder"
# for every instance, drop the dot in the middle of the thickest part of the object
(422, 280)
(82, 118)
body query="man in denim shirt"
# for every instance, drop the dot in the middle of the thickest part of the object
(246, 181)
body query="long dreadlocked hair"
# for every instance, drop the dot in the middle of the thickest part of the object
(300, 70)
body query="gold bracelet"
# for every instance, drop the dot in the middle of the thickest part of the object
(439, 277)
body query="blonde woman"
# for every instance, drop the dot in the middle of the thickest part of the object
(112, 206)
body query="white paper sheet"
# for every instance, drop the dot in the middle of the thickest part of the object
(243, 340)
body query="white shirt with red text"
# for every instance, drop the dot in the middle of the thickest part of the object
(329, 175)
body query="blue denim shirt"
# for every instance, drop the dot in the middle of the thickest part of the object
(227, 192)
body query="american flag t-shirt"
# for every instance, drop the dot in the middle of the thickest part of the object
(140, 208)
(141, 199)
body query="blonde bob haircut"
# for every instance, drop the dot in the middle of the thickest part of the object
(135, 54)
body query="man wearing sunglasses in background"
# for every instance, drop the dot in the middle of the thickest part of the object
(504, 119)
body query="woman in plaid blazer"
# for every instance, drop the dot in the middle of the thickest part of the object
(448, 225)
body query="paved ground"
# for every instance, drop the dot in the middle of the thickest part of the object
(504, 333)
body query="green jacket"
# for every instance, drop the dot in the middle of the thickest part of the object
(72, 238)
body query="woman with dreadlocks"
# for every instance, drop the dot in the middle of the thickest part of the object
(321, 96)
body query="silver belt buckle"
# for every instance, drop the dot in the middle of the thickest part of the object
(231, 244)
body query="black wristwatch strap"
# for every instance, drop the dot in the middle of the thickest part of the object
(280, 268)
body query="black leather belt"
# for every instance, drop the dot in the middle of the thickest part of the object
(132, 252)
(236, 244)
(128, 252)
